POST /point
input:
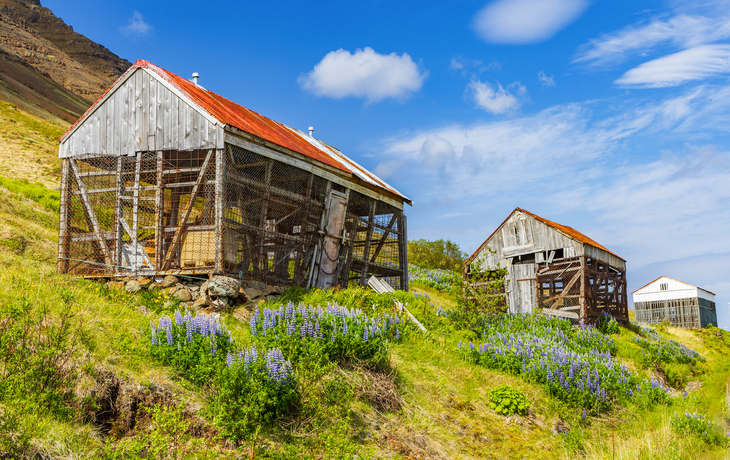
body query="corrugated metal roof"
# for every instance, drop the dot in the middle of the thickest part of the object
(569, 231)
(229, 113)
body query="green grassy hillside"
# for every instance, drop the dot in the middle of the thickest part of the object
(79, 378)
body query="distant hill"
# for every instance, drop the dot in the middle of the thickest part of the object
(48, 69)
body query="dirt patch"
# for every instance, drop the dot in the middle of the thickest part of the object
(118, 405)
(378, 388)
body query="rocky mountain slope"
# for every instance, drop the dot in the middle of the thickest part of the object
(47, 68)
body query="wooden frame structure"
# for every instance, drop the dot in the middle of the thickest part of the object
(213, 198)
(554, 269)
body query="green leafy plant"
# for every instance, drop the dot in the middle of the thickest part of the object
(507, 400)
(255, 388)
(607, 324)
(197, 346)
(439, 254)
(697, 425)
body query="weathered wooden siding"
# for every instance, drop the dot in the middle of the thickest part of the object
(143, 113)
(521, 288)
(522, 234)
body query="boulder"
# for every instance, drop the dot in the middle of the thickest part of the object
(253, 284)
(271, 298)
(269, 290)
(253, 293)
(223, 286)
(115, 285)
(204, 287)
(184, 295)
(200, 303)
(218, 304)
(133, 286)
(168, 281)
(144, 282)
(279, 289)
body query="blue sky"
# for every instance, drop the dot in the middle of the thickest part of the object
(609, 117)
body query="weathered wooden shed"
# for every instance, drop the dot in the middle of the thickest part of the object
(682, 304)
(554, 269)
(161, 176)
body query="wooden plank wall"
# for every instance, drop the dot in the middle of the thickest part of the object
(139, 115)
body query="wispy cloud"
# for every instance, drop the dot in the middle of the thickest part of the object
(496, 99)
(545, 80)
(526, 21)
(137, 26)
(682, 31)
(364, 74)
(695, 63)
(565, 161)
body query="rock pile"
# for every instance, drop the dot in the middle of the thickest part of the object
(217, 293)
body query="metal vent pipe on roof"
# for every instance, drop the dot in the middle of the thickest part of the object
(196, 75)
(311, 131)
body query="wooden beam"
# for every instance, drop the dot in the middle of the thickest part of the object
(181, 227)
(381, 243)
(566, 289)
(135, 206)
(368, 239)
(119, 216)
(90, 210)
(63, 217)
(218, 201)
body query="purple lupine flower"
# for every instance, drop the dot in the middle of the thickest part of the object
(365, 334)
(397, 334)
(189, 330)
(229, 359)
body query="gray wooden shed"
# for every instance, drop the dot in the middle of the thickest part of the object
(554, 269)
(162, 176)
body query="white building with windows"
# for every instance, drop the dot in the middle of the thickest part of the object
(684, 305)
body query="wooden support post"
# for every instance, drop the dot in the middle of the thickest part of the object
(63, 218)
(304, 223)
(90, 214)
(219, 208)
(368, 239)
(381, 243)
(159, 213)
(182, 225)
(119, 215)
(583, 280)
(403, 256)
(263, 258)
(135, 209)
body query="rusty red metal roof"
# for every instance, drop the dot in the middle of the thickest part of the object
(569, 231)
(229, 113)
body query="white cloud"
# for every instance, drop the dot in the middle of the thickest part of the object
(681, 30)
(695, 63)
(496, 100)
(575, 167)
(526, 21)
(137, 25)
(364, 74)
(545, 80)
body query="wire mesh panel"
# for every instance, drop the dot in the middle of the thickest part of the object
(221, 211)
(272, 217)
(686, 313)
(377, 242)
(584, 286)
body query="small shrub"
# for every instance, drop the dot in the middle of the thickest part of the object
(254, 388)
(341, 333)
(196, 346)
(507, 400)
(697, 425)
(607, 324)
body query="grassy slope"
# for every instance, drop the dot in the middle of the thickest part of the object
(445, 412)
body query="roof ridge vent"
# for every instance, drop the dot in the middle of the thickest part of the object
(311, 131)
(196, 75)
